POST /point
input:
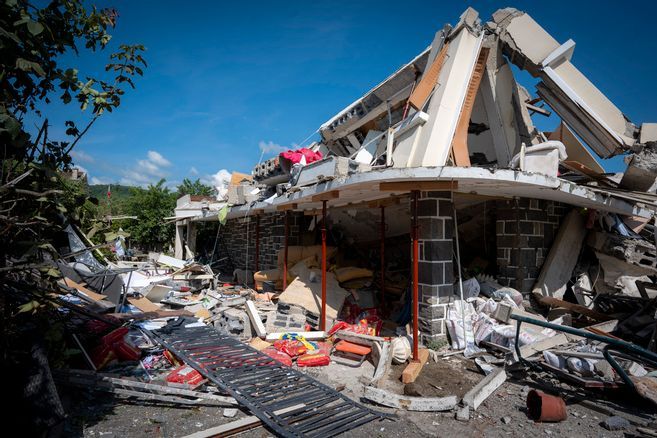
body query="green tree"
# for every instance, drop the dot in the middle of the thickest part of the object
(151, 205)
(33, 38)
(35, 199)
(189, 187)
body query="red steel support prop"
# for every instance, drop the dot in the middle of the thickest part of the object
(287, 232)
(414, 233)
(383, 255)
(322, 321)
(256, 268)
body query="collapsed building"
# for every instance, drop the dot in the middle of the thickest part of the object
(431, 211)
(449, 138)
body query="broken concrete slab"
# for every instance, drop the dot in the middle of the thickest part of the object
(482, 390)
(382, 355)
(256, 321)
(562, 258)
(424, 404)
(463, 413)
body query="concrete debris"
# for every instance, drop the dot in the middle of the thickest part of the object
(463, 413)
(477, 395)
(524, 252)
(425, 404)
(615, 423)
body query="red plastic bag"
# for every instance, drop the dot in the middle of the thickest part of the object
(313, 360)
(185, 374)
(115, 336)
(125, 351)
(102, 355)
(278, 356)
(289, 347)
(361, 328)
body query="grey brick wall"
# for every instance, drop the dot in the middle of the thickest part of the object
(525, 230)
(272, 236)
(435, 266)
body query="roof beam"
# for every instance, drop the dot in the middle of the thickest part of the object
(407, 186)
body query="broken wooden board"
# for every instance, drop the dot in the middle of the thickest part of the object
(562, 258)
(482, 390)
(80, 288)
(424, 404)
(555, 302)
(423, 90)
(308, 294)
(237, 426)
(413, 369)
(144, 304)
(460, 140)
(254, 316)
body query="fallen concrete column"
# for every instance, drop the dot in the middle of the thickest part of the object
(562, 258)
(426, 404)
(477, 395)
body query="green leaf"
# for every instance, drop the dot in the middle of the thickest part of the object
(29, 307)
(34, 27)
(25, 65)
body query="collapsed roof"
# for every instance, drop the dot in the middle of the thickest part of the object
(458, 104)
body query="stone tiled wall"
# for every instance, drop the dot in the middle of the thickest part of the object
(525, 232)
(238, 231)
(435, 267)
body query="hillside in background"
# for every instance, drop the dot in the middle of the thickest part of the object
(118, 201)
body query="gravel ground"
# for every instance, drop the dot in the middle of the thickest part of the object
(97, 414)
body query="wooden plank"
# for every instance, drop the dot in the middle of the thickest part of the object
(413, 369)
(555, 302)
(460, 140)
(237, 426)
(326, 196)
(407, 186)
(144, 304)
(89, 378)
(482, 390)
(254, 316)
(423, 404)
(419, 97)
(91, 294)
(286, 207)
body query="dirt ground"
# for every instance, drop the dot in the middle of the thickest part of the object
(502, 414)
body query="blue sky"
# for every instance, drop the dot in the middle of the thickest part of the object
(225, 79)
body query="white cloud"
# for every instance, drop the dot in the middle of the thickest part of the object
(219, 181)
(100, 180)
(146, 171)
(193, 170)
(157, 158)
(270, 147)
(82, 156)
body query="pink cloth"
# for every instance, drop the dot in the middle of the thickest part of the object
(295, 156)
